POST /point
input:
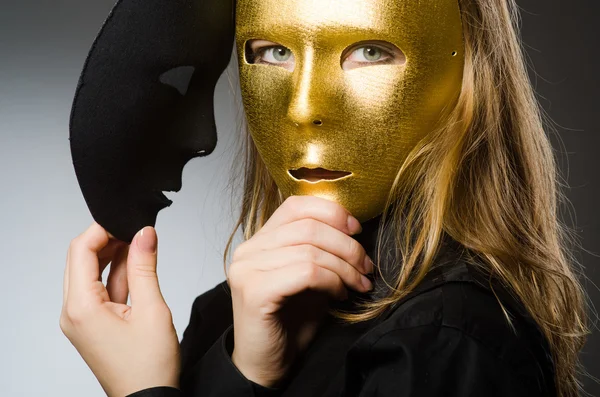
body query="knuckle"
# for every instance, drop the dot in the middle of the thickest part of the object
(78, 246)
(234, 277)
(75, 244)
(309, 230)
(355, 250)
(75, 241)
(353, 275)
(144, 270)
(293, 203)
(288, 204)
(347, 273)
(311, 253)
(310, 273)
(340, 215)
(74, 315)
(239, 251)
(64, 324)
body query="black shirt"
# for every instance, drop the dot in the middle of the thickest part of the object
(449, 337)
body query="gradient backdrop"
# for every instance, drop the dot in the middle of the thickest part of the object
(42, 48)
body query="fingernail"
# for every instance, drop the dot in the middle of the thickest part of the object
(147, 241)
(368, 265)
(366, 283)
(354, 225)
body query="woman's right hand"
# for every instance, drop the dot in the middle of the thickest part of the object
(282, 278)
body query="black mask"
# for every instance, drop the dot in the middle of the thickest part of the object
(144, 105)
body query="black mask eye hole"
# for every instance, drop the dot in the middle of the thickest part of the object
(178, 78)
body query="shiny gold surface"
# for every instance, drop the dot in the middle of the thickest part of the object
(371, 116)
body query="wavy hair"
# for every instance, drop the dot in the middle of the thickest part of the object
(487, 178)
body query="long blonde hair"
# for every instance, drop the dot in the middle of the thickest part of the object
(488, 179)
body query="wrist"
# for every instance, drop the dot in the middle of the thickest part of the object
(263, 376)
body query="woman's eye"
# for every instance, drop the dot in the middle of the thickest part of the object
(269, 53)
(368, 54)
(266, 52)
(278, 54)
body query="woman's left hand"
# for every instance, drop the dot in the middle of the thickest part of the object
(128, 348)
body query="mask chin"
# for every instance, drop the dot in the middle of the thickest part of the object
(144, 105)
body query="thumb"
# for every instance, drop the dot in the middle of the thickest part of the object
(141, 269)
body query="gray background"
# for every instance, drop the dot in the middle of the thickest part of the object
(42, 48)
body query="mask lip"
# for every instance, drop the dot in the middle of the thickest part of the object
(299, 174)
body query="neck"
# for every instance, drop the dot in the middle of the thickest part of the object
(368, 237)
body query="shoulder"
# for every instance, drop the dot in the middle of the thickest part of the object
(460, 299)
(458, 318)
(218, 296)
(211, 311)
(468, 310)
(210, 316)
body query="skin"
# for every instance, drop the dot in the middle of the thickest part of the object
(299, 260)
(282, 278)
(128, 348)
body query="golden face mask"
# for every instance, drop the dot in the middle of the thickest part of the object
(348, 86)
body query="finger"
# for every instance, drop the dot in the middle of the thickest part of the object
(141, 269)
(116, 283)
(300, 207)
(311, 232)
(107, 255)
(84, 266)
(309, 254)
(121, 310)
(287, 281)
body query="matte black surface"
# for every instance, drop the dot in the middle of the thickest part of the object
(144, 105)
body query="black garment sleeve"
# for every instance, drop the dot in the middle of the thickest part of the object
(162, 391)
(215, 375)
(434, 361)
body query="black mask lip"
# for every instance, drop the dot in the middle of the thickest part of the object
(144, 105)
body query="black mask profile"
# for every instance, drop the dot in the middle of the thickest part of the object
(144, 105)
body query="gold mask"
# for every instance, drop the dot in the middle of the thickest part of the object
(360, 117)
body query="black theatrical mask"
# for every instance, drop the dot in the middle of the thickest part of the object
(144, 105)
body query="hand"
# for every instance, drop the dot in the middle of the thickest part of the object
(282, 278)
(128, 348)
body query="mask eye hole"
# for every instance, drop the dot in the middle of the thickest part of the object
(178, 78)
(371, 53)
(264, 52)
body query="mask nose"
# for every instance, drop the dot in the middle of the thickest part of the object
(307, 99)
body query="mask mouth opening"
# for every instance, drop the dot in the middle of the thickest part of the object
(318, 174)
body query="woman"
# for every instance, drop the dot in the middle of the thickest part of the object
(473, 293)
